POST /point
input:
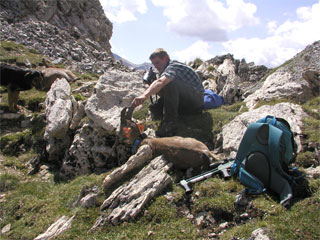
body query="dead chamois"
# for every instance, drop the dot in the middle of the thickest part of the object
(184, 153)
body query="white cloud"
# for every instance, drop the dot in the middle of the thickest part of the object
(272, 26)
(209, 20)
(120, 11)
(284, 42)
(199, 49)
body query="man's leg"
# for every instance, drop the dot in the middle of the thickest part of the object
(156, 109)
(169, 124)
(190, 102)
(178, 96)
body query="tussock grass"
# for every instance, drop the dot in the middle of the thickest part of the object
(15, 143)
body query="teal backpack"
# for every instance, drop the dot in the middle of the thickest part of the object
(263, 158)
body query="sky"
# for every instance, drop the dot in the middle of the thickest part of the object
(266, 32)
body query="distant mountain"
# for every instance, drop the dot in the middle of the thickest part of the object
(143, 66)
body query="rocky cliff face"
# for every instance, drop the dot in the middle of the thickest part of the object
(82, 18)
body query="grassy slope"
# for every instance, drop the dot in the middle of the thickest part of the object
(32, 203)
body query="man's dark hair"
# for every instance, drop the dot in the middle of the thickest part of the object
(159, 52)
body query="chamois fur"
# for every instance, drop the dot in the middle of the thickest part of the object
(51, 74)
(183, 152)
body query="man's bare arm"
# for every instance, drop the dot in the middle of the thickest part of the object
(154, 88)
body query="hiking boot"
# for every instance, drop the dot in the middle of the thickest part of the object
(167, 129)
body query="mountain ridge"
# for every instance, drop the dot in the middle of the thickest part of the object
(142, 66)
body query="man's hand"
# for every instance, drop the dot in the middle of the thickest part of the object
(138, 101)
(154, 88)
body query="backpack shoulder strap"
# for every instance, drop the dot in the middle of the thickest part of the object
(275, 136)
(248, 139)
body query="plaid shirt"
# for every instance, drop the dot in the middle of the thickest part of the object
(179, 71)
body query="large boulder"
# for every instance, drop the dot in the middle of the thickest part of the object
(228, 81)
(95, 147)
(279, 85)
(114, 91)
(93, 150)
(233, 132)
(60, 106)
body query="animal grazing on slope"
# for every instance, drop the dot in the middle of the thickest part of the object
(51, 74)
(18, 79)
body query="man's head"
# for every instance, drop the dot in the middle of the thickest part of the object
(159, 59)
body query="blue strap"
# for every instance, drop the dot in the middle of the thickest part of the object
(253, 184)
(265, 120)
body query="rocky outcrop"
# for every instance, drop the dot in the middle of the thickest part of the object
(77, 34)
(231, 78)
(92, 150)
(82, 18)
(94, 147)
(80, 55)
(128, 200)
(296, 79)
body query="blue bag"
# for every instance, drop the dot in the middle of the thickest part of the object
(211, 99)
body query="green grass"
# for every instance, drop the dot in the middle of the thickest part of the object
(15, 143)
(19, 54)
(31, 205)
(8, 182)
(223, 115)
(311, 127)
(30, 99)
(312, 107)
(34, 205)
(272, 102)
(306, 159)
